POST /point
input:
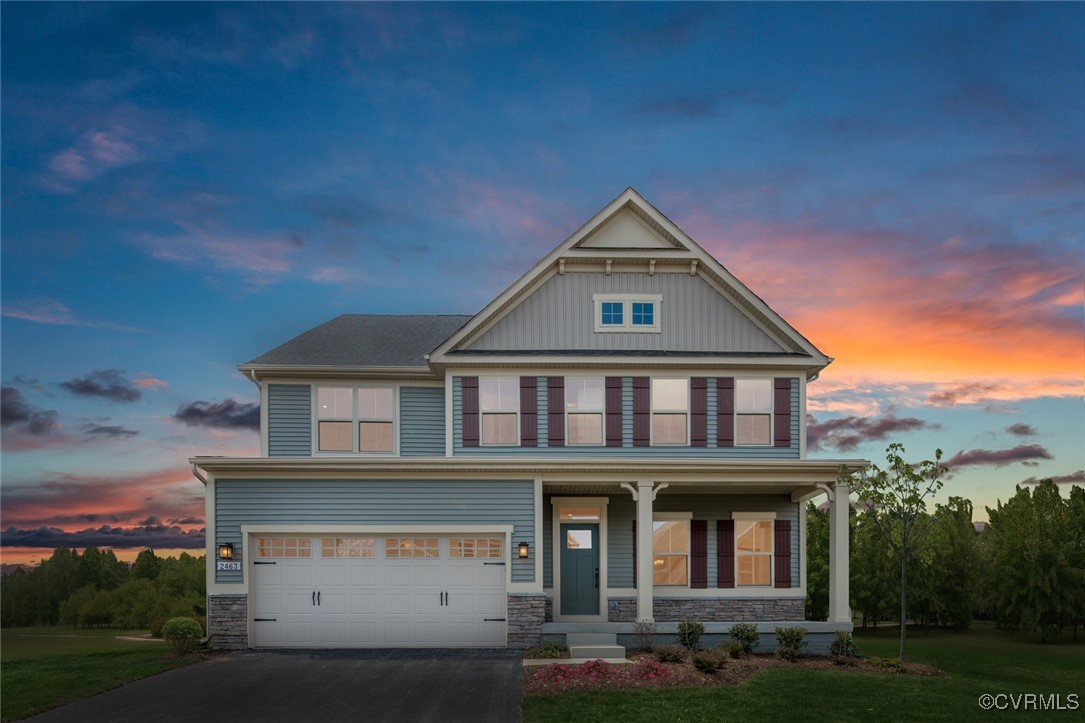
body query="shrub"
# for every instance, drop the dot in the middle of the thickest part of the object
(156, 626)
(746, 635)
(670, 654)
(183, 634)
(645, 633)
(733, 648)
(843, 646)
(891, 664)
(546, 649)
(689, 634)
(708, 662)
(791, 642)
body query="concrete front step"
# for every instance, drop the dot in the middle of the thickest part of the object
(591, 652)
(591, 639)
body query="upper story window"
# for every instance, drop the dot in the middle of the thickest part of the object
(670, 411)
(753, 412)
(356, 419)
(753, 549)
(584, 410)
(627, 312)
(499, 403)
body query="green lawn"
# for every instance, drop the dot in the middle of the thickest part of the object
(46, 667)
(982, 660)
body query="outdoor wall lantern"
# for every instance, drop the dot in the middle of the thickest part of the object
(226, 551)
(524, 550)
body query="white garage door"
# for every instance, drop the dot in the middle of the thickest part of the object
(378, 591)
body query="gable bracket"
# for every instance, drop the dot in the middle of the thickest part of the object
(609, 262)
(652, 267)
(561, 267)
(693, 267)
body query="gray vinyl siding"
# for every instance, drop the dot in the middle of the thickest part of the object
(422, 421)
(627, 449)
(371, 502)
(693, 317)
(289, 420)
(621, 512)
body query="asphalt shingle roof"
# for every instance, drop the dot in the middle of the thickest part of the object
(361, 340)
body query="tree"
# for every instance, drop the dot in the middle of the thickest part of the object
(817, 563)
(898, 497)
(1076, 505)
(872, 572)
(146, 566)
(953, 573)
(1035, 585)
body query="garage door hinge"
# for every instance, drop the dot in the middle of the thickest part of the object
(493, 620)
(260, 562)
(264, 620)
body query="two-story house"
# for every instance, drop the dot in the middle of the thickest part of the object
(619, 436)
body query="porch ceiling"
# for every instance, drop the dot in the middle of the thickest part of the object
(677, 489)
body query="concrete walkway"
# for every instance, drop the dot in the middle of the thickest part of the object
(318, 685)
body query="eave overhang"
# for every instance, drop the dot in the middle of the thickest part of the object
(260, 371)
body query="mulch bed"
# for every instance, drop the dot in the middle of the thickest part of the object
(685, 675)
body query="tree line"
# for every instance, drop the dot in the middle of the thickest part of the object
(1025, 570)
(96, 589)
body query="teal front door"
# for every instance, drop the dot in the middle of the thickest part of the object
(580, 569)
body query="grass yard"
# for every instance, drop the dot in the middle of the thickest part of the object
(982, 660)
(41, 668)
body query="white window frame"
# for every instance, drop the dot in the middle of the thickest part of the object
(482, 412)
(756, 517)
(771, 413)
(601, 411)
(355, 419)
(673, 517)
(627, 300)
(652, 412)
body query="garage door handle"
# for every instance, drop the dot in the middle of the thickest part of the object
(259, 562)
(494, 563)
(264, 620)
(318, 598)
(493, 620)
(314, 597)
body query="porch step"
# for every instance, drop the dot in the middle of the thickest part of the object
(589, 646)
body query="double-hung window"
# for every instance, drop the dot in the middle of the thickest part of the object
(499, 403)
(627, 312)
(356, 419)
(584, 410)
(753, 549)
(670, 549)
(670, 411)
(753, 412)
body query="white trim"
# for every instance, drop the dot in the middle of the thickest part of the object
(355, 420)
(717, 593)
(211, 554)
(652, 409)
(686, 517)
(771, 554)
(264, 417)
(627, 300)
(802, 416)
(500, 410)
(602, 411)
(555, 542)
(753, 515)
(449, 437)
(802, 545)
(771, 413)
(538, 533)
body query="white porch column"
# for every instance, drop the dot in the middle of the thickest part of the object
(839, 605)
(645, 587)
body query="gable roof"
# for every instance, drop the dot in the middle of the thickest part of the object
(363, 340)
(630, 230)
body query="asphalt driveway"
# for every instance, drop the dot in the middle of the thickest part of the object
(318, 685)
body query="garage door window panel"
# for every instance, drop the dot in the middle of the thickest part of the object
(283, 547)
(404, 547)
(347, 547)
(468, 547)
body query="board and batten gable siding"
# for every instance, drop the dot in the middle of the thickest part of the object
(374, 502)
(693, 316)
(622, 510)
(627, 449)
(422, 421)
(289, 420)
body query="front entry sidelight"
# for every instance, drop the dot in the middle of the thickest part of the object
(580, 569)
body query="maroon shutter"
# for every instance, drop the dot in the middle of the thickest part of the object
(782, 554)
(529, 412)
(782, 411)
(469, 410)
(698, 553)
(634, 553)
(725, 552)
(555, 411)
(725, 412)
(614, 411)
(642, 412)
(698, 410)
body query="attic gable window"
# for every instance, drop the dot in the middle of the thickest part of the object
(627, 312)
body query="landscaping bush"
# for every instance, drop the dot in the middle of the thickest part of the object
(733, 648)
(594, 675)
(708, 662)
(156, 626)
(547, 649)
(746, 635)
(670, 654)
(689, 634)
(183, 634)
(843, 646)
(791, 642)
(645, 633)
(891, 664)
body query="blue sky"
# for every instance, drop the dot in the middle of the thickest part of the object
(185, 186)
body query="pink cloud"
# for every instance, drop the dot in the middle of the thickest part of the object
(50, 311)
(149, 382)
(261, 260)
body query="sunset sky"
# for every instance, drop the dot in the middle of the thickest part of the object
(186, 186)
